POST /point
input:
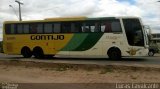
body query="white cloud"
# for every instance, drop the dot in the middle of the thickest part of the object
(151, 14)
(52, 8)
(115, 8)
(148, 10)
(79, 8)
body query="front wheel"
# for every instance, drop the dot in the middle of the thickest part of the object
(114, 54)
(151, 53)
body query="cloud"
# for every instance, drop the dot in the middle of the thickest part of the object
(148, 10)
(115, 8)
(60, 8)
(151, 14)
(78, 8)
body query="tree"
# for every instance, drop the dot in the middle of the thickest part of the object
(1, 47)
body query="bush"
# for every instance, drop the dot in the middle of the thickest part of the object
(1, 47)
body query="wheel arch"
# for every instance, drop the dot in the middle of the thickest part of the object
(25, 47)
(38, 52)
(152, 50)
(37, 47)
(114, 48)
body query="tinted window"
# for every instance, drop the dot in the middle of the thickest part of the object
(102, 27)
(19, 28)
(39, 28)
(57, 27)
(76, 27)
(48, 28)
(66, 27)
(33, 28)
(133, 32)
(73, 28)
(8, 29)
(111, 26)
(89, 26)
(86, 27)
(26, 28)
(116, 27)
(97, 27)
(106, 27)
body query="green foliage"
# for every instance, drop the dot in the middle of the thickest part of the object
(1, 47)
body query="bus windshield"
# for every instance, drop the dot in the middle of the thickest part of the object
(134, 32)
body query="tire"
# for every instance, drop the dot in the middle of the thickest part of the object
(151, 53)
(38, 53)
(114, 54)
(26, 52)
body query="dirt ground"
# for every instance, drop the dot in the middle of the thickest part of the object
(22, 74)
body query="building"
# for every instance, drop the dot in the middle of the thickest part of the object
(154, 41)
(155, 38)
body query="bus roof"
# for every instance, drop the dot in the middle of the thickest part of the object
(67, 18)
(61, 19)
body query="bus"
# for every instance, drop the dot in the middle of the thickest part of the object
(112, 37)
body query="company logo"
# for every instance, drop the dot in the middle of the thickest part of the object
(47, 37)
(132, 51)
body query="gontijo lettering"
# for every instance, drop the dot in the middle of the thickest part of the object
(47, 37)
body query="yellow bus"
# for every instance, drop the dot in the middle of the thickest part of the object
(112, 37)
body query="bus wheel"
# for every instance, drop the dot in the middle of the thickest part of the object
(26, 52)
(38, 52)
(114, 54)
(151, 53)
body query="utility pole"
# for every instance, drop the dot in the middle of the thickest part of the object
(19, 3)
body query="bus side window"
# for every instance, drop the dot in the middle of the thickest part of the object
(103, 27)
(66, 27)
(8, 28)
(48, 28)
(78, 27)
(19, 28)
(108, 27)
(92, 28)
(57, 28)
(26, 28)
(73, 28)
(33, 28)
(85, 28)
(39, 28)
(97, 27)
(13, 28)
(116, 27)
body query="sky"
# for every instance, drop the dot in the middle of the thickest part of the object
(147, 10)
